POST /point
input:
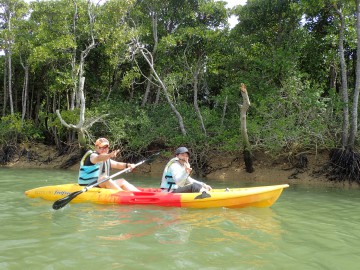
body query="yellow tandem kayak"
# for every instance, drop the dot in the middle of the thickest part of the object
(263, 196)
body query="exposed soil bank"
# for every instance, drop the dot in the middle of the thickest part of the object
(267, 169)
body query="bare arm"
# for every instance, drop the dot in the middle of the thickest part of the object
(95, 158)
(120, 165)
(181, 175)
(191, 180)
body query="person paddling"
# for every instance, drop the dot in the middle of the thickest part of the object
(176, 176)
(96, 165)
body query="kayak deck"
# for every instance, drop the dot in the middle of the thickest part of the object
(263, 196)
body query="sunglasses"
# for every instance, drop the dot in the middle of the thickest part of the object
(104, 147)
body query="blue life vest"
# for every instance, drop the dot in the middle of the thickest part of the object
(89, 174)
(167, 181)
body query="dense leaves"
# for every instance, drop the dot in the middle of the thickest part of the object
(286, 52)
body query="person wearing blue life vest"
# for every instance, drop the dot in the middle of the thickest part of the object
(176, 176)
(96, 166)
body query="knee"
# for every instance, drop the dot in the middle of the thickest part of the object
(196, 187)
(121, 182)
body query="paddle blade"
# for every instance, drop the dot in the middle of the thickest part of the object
(152, 158)
(64, 201)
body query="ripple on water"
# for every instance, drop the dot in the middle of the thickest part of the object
(306, 229)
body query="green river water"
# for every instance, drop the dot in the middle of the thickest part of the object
(307, 228)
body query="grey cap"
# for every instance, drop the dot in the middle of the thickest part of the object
(182, 150)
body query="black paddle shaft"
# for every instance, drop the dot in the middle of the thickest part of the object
(64, 201)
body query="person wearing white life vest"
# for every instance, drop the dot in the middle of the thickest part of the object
(176, 176)
(96, 166)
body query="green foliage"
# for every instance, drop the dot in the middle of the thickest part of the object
(282, 51)
(137, 128)
(293, 118)
(12, 129)
(130, 76)
(127, 125)
(50, 123)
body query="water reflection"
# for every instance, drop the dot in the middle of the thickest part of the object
(181, 226)
(308, 228)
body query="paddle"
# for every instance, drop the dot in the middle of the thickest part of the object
(64, 201)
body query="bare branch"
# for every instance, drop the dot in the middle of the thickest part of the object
(93, 121)
(137, 47)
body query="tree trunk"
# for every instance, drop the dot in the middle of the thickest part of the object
(148, 57)
(354, 118)
(111, 82)
(5, 86)
(224, 111)
(246, 144)
(10, 81)
(74, 70)
(37, 106)
(157, 99)
(25, 92)
(156, 42)
(80, 102)
(344, 88)
(147, 90)
(8, 53)
(30, 106)
(195, 87)
(332, 76)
